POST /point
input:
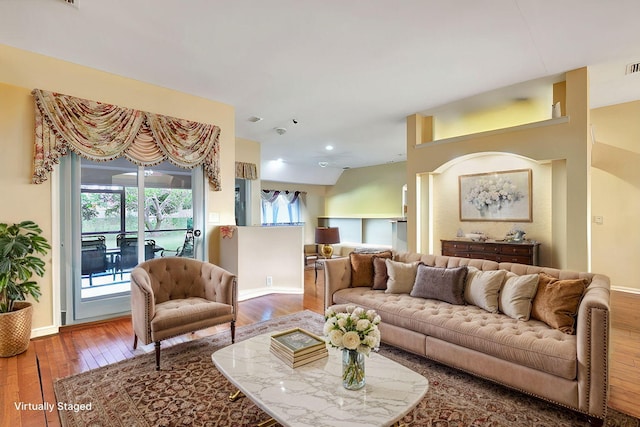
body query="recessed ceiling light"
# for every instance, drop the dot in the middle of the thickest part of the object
(329, 147)
(254, 119)
(323, 164)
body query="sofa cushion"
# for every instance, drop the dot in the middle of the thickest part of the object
(402, 276)
(516, 295)
(444, 284)
(380, 275)
(362, 267)
(482, 288)
(171, 314)
(533, 343)
(556, 302)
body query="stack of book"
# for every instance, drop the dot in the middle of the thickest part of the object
(298, 347)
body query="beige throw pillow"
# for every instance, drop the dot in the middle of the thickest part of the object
(483, 287)
(401, 276)
(516, 295)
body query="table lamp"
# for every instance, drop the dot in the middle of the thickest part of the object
(327, 236)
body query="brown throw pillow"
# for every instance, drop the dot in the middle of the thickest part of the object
(362, 267)
(556, 302)
(380, 275)
(443, 284)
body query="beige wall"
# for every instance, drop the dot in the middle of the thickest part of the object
(255, 253)
(20, 72)
(374, 191)
(446, 216)
(616, 192)
(564, 143)
(249, 151)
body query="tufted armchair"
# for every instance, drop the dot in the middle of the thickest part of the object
(173, 296)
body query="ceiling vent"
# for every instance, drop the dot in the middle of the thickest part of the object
(633, 68)
(72, 2)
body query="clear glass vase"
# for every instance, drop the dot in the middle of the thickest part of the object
(353, 377)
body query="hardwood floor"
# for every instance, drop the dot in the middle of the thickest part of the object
(28, 378)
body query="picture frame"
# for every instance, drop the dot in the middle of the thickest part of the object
(496, 196)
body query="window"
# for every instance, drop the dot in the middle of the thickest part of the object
(281, 207)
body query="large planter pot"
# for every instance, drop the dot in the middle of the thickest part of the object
(15, 329)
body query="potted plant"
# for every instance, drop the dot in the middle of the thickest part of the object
(20, 247)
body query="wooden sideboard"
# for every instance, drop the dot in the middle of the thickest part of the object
(521, 253)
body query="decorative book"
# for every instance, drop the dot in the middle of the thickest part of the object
(298, 347)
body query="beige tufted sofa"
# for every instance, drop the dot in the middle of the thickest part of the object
(568, 370)
(173, 296)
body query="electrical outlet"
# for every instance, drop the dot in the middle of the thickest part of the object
(598, 219)
(269, 281)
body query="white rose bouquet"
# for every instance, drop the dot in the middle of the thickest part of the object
(356, 329)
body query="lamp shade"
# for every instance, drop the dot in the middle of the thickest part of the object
(327, 235)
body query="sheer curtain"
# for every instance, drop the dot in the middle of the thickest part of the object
(281, 207)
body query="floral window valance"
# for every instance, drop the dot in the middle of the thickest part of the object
(103, 132)
(246, 170)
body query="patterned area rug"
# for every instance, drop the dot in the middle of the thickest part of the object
(189, 391)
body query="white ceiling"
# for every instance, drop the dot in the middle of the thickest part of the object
(349, 71)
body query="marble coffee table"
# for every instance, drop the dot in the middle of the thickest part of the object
(312, 395)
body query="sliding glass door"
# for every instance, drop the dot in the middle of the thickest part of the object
(122, 214)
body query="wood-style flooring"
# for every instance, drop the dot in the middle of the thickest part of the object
(29, 377)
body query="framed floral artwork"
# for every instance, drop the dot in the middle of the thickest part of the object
(496, 196)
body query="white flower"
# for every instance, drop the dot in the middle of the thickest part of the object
(364, 349)
(336, 337)
(351, 340)
(363, 325)
(329, 325)
(355, 329)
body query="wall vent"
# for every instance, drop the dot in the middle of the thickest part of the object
(633, 68)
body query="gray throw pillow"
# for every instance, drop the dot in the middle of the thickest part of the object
(443, 284)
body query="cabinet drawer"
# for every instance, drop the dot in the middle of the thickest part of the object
(485, 255)
(515, 259)
(515, 250)
(455, 246)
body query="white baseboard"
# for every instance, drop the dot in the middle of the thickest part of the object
(44, 331)
(253, 293)
(625, 289)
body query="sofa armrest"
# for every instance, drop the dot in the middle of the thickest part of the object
(143, 304)
(337, 275)
(592, 336)
(220, 286)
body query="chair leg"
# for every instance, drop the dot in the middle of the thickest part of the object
(157, 344)
(135, 341)
(233, 331)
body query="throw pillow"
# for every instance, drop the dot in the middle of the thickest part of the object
(483, 287)
(557, 301)
(362, 267)
(516, 295)
(401, 276)
(443, 284)
(380, 275)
